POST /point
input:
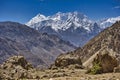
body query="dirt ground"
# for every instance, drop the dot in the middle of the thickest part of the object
(75, 74)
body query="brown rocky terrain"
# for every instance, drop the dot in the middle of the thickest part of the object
(101, 54)
(108, 39)
(67, 61)
(17, 68)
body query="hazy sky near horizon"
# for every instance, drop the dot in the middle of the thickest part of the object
(23, 10)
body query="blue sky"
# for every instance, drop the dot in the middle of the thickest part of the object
(23, 10)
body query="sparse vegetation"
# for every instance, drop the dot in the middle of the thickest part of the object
(96, 69)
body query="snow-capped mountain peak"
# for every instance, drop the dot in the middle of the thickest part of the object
(74, 27)
(61, 21)
(113, 20)
(36, 19)
(108, 22)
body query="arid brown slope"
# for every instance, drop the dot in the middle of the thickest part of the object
(108, 39)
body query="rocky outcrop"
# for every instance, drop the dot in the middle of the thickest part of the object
(103, 63)
(16, 61)
(68, 60)
(17, 67)
(107, 62)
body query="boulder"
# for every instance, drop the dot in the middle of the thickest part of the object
(16, 61)
(103, 63)
(65, 60)
(107, 62)
(17, 67)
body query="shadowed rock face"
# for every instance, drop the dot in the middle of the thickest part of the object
(107, 62)
(66, 60)
(38, 48)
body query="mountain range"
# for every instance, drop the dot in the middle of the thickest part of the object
(40, 49)
(102, 52)
(47, 37)
(106, 42)
(74, 27)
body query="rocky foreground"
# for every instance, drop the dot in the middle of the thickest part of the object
(76, 74)
(16, 68)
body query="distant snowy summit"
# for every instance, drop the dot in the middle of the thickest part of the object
(61, 21)
(108, 22)
(74, 27)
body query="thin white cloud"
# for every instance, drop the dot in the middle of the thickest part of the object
(117, 7)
